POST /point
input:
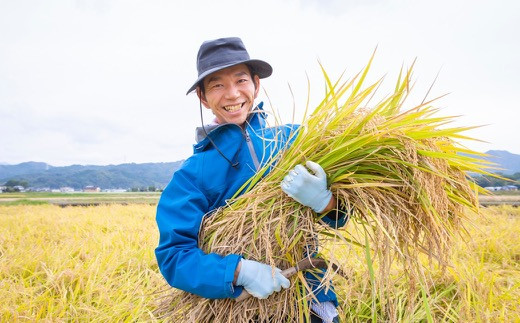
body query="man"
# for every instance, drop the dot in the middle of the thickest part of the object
(227, 154)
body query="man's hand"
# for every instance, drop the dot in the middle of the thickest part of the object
(258, 279)
(308, 189)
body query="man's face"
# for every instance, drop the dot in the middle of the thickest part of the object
(230, 94)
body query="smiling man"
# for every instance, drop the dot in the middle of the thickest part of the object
(228, 153)
(230, 94)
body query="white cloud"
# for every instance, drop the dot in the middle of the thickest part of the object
(104, 82)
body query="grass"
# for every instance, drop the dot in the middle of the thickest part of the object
(24, 202)
(37, 198)
(506, 193)
(91, 264)
(96, 264)
(496, 199)
(30, 195)
(79, 198)
(482, 284)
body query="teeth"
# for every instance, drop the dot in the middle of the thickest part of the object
(233, 108)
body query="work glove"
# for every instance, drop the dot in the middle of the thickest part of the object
(326, 311)
(308, 189)
(258, 279)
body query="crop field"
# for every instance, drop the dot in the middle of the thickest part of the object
(96, 264)
(78, 198)
(501, 198)
(92, 199)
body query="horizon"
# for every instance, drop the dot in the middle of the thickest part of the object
(175, 161)
(127, 163)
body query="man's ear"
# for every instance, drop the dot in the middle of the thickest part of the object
(256, 81)
(202, 97)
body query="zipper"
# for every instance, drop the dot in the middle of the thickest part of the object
(249, 143)
(251, 150)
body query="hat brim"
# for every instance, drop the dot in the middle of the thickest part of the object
(259, 67)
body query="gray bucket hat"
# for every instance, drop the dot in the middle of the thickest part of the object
(218, 54)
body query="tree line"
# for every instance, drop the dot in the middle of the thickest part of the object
(487, 181)
(483, 181)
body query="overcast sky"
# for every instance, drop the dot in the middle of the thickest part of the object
(104, 82)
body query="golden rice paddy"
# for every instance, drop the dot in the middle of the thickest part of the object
(96, 264)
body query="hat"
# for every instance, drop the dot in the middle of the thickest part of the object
(215, 55)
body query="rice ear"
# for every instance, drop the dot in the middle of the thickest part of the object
(399, 171)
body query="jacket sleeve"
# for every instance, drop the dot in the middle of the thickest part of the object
(184, 266)
(337, 218)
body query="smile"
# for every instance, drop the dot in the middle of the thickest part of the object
(233, 108)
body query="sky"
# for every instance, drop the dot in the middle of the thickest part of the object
(104, 82)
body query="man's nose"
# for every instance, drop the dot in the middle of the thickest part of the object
(232, 92)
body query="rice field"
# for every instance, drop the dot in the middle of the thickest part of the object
(78, 198)
(96, 264)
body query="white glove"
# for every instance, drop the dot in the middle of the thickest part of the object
(308, 189)
(257, 278)
(327, 311)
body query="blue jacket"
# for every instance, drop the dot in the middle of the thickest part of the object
(203, 183)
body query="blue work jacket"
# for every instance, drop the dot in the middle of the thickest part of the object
(203, 183)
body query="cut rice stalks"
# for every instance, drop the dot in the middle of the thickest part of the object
(401, 174)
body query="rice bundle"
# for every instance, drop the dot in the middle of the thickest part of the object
(401, 173)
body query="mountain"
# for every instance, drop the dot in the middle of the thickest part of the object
(23, 168)
(510, 163)
(42, 175)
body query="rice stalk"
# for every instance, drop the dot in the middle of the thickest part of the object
(402, 174)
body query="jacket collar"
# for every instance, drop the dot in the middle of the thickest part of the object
(255, 121)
